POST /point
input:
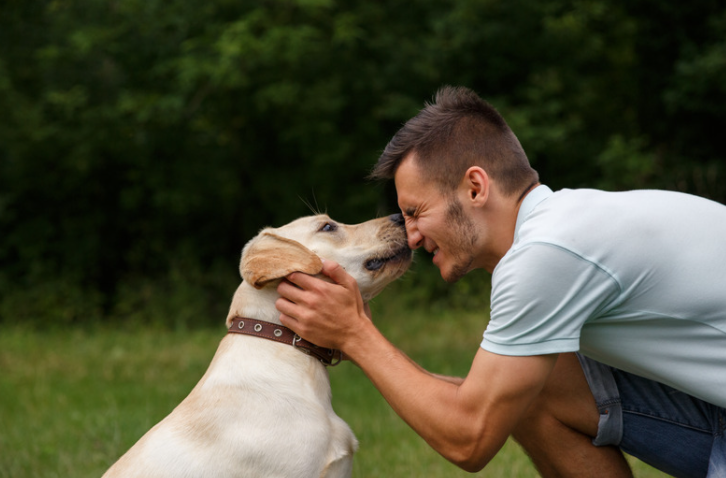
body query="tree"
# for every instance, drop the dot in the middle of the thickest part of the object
(143, 142)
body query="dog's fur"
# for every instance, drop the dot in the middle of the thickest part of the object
(263, 409)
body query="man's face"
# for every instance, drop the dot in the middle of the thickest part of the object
(436, 222)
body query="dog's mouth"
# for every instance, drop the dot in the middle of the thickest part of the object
(398, 255)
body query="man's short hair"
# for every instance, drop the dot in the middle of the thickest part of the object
(457, 131)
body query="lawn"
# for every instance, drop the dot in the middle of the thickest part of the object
(73, 400)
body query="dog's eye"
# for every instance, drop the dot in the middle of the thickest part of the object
(328, 227)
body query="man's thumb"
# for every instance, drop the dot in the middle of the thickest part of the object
(335, 271)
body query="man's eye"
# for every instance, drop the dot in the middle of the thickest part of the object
(328, 227)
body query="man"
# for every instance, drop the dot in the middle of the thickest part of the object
(598, 299)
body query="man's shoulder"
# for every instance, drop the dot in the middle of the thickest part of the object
(583, 213)
(620, 231)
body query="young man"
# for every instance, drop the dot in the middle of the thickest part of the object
(608, 310)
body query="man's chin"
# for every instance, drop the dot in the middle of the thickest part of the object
(453, 276)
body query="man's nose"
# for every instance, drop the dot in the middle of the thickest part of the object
(414, 238)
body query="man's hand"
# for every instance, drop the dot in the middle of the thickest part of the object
(327, 314)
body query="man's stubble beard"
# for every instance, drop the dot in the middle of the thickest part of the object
(463, 241)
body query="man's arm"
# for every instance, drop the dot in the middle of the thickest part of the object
(466, 422)
(469, 422)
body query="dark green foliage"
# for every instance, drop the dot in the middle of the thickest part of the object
(143, 142)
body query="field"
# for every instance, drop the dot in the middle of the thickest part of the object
(73, 400)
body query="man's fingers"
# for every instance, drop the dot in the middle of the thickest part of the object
(288, 290)
(290, 322)
(284, 306)
(300, 279)
(337, 273)
(330, 268)
(312, 306)
(288, 311)
(290, 316)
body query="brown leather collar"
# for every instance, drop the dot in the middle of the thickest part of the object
(279, 333)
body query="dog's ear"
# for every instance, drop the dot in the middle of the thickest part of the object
(270, 257)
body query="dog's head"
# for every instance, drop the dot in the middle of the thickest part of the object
(374, 252)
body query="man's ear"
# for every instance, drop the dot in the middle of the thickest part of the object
(476, 184)
(270, 257)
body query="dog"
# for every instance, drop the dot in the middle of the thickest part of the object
(263, 408)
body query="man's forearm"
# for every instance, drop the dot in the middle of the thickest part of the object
(447, 378)
(429, 403)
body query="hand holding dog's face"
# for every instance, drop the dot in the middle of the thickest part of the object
(326, 313)
(352, 264)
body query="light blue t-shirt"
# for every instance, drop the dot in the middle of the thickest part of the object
(636, 280)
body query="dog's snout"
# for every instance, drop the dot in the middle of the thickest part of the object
(397, 219)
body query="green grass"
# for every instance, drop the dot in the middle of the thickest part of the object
(72, 401)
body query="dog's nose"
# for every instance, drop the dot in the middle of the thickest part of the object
(398, 219)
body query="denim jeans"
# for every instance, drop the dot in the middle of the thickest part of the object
(668, 429)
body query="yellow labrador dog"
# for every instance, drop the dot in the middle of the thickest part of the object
(263, 407)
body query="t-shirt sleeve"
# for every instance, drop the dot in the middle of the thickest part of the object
(542, 295)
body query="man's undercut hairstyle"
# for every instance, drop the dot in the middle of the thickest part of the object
(458, 131)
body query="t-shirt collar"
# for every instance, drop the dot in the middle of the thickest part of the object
(531, 200)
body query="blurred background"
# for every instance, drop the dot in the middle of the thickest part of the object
(143, 142)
